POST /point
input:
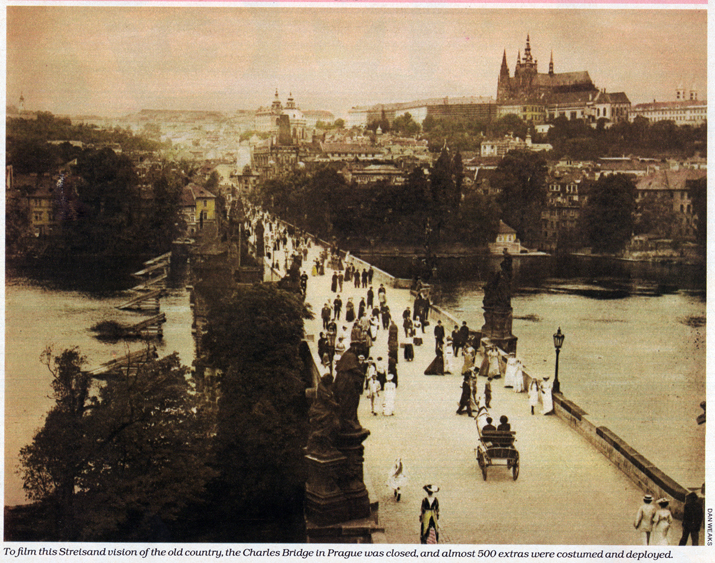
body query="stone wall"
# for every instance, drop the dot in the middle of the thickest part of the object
(645, 474)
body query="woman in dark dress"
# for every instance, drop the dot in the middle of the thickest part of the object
(361, 309)
(350, 311)
(409, 348)
(429, 516)
(437, 365)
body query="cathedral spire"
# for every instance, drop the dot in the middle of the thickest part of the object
(527, 51)
(551, 63)
(504, 67)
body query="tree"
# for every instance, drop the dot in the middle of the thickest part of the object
(51, 466)
(442, 192)
(405, 125)
(458, 173)
(112, 461)
(326, 188)
(699, 195)
(608, 216)
(108, 206)
(252, 338)
(18, 227)
(165, 222)
(510, 123)
(212, 182)
(521, 181)
(655, 215)
(477, 223)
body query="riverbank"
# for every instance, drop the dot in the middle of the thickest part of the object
(535, 270)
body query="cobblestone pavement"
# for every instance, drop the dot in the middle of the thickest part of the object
(566, 493)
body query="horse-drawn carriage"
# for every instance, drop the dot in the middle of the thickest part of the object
(495, 447)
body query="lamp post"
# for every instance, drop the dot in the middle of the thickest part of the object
(558, 342)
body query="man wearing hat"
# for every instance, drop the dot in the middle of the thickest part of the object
(644, 519)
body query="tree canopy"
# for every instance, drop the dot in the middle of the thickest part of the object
(252, 338)
(608, 216)
(521, 181)
(118, 460)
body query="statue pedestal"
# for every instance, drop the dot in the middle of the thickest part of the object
(350, 480)
(335, 490)
(325, 503)
(497, 327)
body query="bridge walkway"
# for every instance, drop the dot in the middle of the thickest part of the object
(567, 492)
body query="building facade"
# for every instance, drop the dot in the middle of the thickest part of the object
(683, 111)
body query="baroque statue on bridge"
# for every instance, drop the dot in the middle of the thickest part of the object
(497, 291)
(324, 420)
(348, 386)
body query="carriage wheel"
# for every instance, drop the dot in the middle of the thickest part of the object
(482, 464)
(515, 469)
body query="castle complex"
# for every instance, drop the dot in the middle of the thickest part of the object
(528, 84)
(536, 97)
(539, 97)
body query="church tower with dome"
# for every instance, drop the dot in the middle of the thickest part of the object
(268, 119)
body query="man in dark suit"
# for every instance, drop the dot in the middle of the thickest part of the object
(463, 335)
(439, 332)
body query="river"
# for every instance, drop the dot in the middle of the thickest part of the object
(38, 316)
(635, 363)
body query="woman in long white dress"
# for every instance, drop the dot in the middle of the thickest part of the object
(547, 397)
(449, 359)
(662, 519)
(510, 371)
(374, 327)
(397, 478)
(494, 369)
(388, 400)
(519, 378)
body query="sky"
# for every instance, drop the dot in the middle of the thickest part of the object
(105, 60)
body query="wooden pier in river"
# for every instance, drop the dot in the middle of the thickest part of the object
(143, 302)
(152, 285)
(128, 364)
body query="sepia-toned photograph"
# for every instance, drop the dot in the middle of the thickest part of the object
(339, 274)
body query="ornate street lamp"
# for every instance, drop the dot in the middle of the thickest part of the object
(558, 342)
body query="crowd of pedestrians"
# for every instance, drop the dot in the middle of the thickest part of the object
(356, 313)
